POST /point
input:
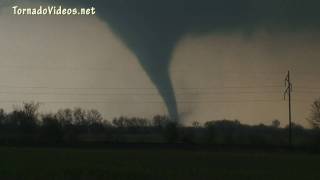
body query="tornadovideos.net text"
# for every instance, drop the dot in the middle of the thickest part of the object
(52, 10)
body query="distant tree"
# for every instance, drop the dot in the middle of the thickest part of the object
(171, 133)
(143, 123)
(26, 118)
(3, 116)
(187, 135)
(79, 117)
(209, 123)
(195, 124)
(275, 123)
(131, 123)
(314, 117)
(31, 110)
(295, 126)
(94, 116)
(65, 117)
(51, 129)
(119, 122)
(95, 120)
(159, 121)
(225, 128)
(210, 131)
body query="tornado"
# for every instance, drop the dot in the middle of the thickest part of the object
(156, 63)
(150, 38)
(144, 26)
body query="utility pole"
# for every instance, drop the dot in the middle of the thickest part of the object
(287, 92)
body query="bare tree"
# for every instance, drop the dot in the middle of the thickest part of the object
(119, 122)
(64, 116)
(31, 109)
(26, 117)
(94, 116)
(314, 118)
(196, 124)
(51, 129)
(159, 121)
(79, 117)
(275, 123)
(95, 120)
(2, 117)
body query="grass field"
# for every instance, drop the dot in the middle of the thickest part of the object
(152, 164)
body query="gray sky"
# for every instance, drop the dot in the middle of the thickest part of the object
(79, 61)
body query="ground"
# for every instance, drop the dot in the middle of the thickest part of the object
(120, 164)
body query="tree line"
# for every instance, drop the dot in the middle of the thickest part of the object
(25, 125)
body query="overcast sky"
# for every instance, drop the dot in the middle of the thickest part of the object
(78, 61)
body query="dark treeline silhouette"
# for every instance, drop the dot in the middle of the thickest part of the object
(26, 126)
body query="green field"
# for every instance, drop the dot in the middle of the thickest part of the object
(151, 164)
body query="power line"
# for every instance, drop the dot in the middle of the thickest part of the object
(308, 89)
(138, 88)
(134, 94)
(149, 102)
(138, 68)
(308, 92)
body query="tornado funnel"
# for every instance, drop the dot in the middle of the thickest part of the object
(156, 63)
(151, 40)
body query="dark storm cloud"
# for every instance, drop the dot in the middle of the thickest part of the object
(152, 28)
